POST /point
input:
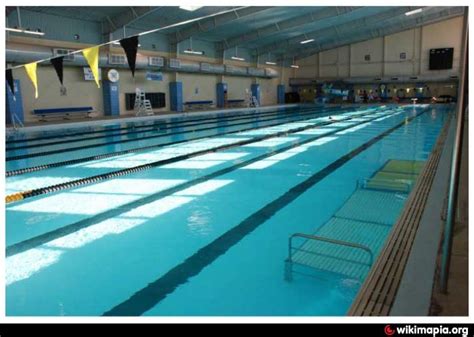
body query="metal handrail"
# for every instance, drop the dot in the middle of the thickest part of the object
(455, 166)
(328, 240)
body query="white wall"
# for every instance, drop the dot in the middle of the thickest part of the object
(385, 54)
(439, 35)
(236, 86)
(198, 87)
(79, 92)
(359, 66)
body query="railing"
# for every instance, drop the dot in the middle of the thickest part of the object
(455, 165)
(289, 261)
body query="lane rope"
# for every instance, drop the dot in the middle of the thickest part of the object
(105, 176)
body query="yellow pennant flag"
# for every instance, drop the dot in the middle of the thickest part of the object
(31, 71)
(92, 57)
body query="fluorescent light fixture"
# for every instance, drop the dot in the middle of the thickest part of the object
(419, 10)
(294, 66)
(237, 58)
(194, 52)
(271, 63)
(19, 30)
(307, 41)
(190, 8)
(118, 43)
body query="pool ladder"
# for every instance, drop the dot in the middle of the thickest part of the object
(292, 250)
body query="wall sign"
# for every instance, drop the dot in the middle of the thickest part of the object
(154, 76)
(88, 76)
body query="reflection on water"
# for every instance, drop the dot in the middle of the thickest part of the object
(199, 221)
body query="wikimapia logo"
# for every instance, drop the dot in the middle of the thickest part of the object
(426, 330)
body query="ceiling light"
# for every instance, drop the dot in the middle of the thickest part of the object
(271, 63)
(294, 66)
(307, 41)
(419, 10)
(25, 31)
(190, 8)
(237, 58)
(118, 43)
(194, 52)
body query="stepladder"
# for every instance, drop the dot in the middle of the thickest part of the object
(142, 105)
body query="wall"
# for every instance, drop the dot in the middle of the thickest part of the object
(128, 84)
(79, 92)
(82, 93)
(198, 87)
(236, 86)
(385, 60)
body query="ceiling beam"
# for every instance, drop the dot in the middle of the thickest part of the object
(333, 31)
(296, 22)
(126, 17)
(215, 22)
(396, 24)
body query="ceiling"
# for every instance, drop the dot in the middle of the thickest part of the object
(276, 30)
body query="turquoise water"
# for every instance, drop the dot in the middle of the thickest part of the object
(207, 235)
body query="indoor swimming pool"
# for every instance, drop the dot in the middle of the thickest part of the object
(193, 215)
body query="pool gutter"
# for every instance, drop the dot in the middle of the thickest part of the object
(415, 291)
(403, 274)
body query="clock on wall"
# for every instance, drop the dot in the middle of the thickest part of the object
(113, 75)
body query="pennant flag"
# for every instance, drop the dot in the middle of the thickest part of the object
(130, 46)
(57, 63)
(10, 81)
(92, 57)
(31, 71)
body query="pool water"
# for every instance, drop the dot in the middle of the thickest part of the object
(207, 233)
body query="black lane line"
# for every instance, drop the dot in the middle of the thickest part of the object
(156, 123)
(83, 147)
(154, 292)
(139, 149)
(156, 127)
(69, 229)
(134, 169)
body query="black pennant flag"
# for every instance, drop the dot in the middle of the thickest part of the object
(10, 81)
(130, 46)
(57, 63)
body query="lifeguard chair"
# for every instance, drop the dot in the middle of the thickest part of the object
(142, 104)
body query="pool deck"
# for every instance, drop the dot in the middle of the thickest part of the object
(56, 124)
(455, 302)
(108, 120)
(418, 294)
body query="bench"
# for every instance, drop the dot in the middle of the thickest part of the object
(233, 103)
(63, 111)
(191, 105)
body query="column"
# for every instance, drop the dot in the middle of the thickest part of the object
(221, 94)
(255, 89)
(281, 94)
(14, 102)
(110, 91)
(176, 96)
